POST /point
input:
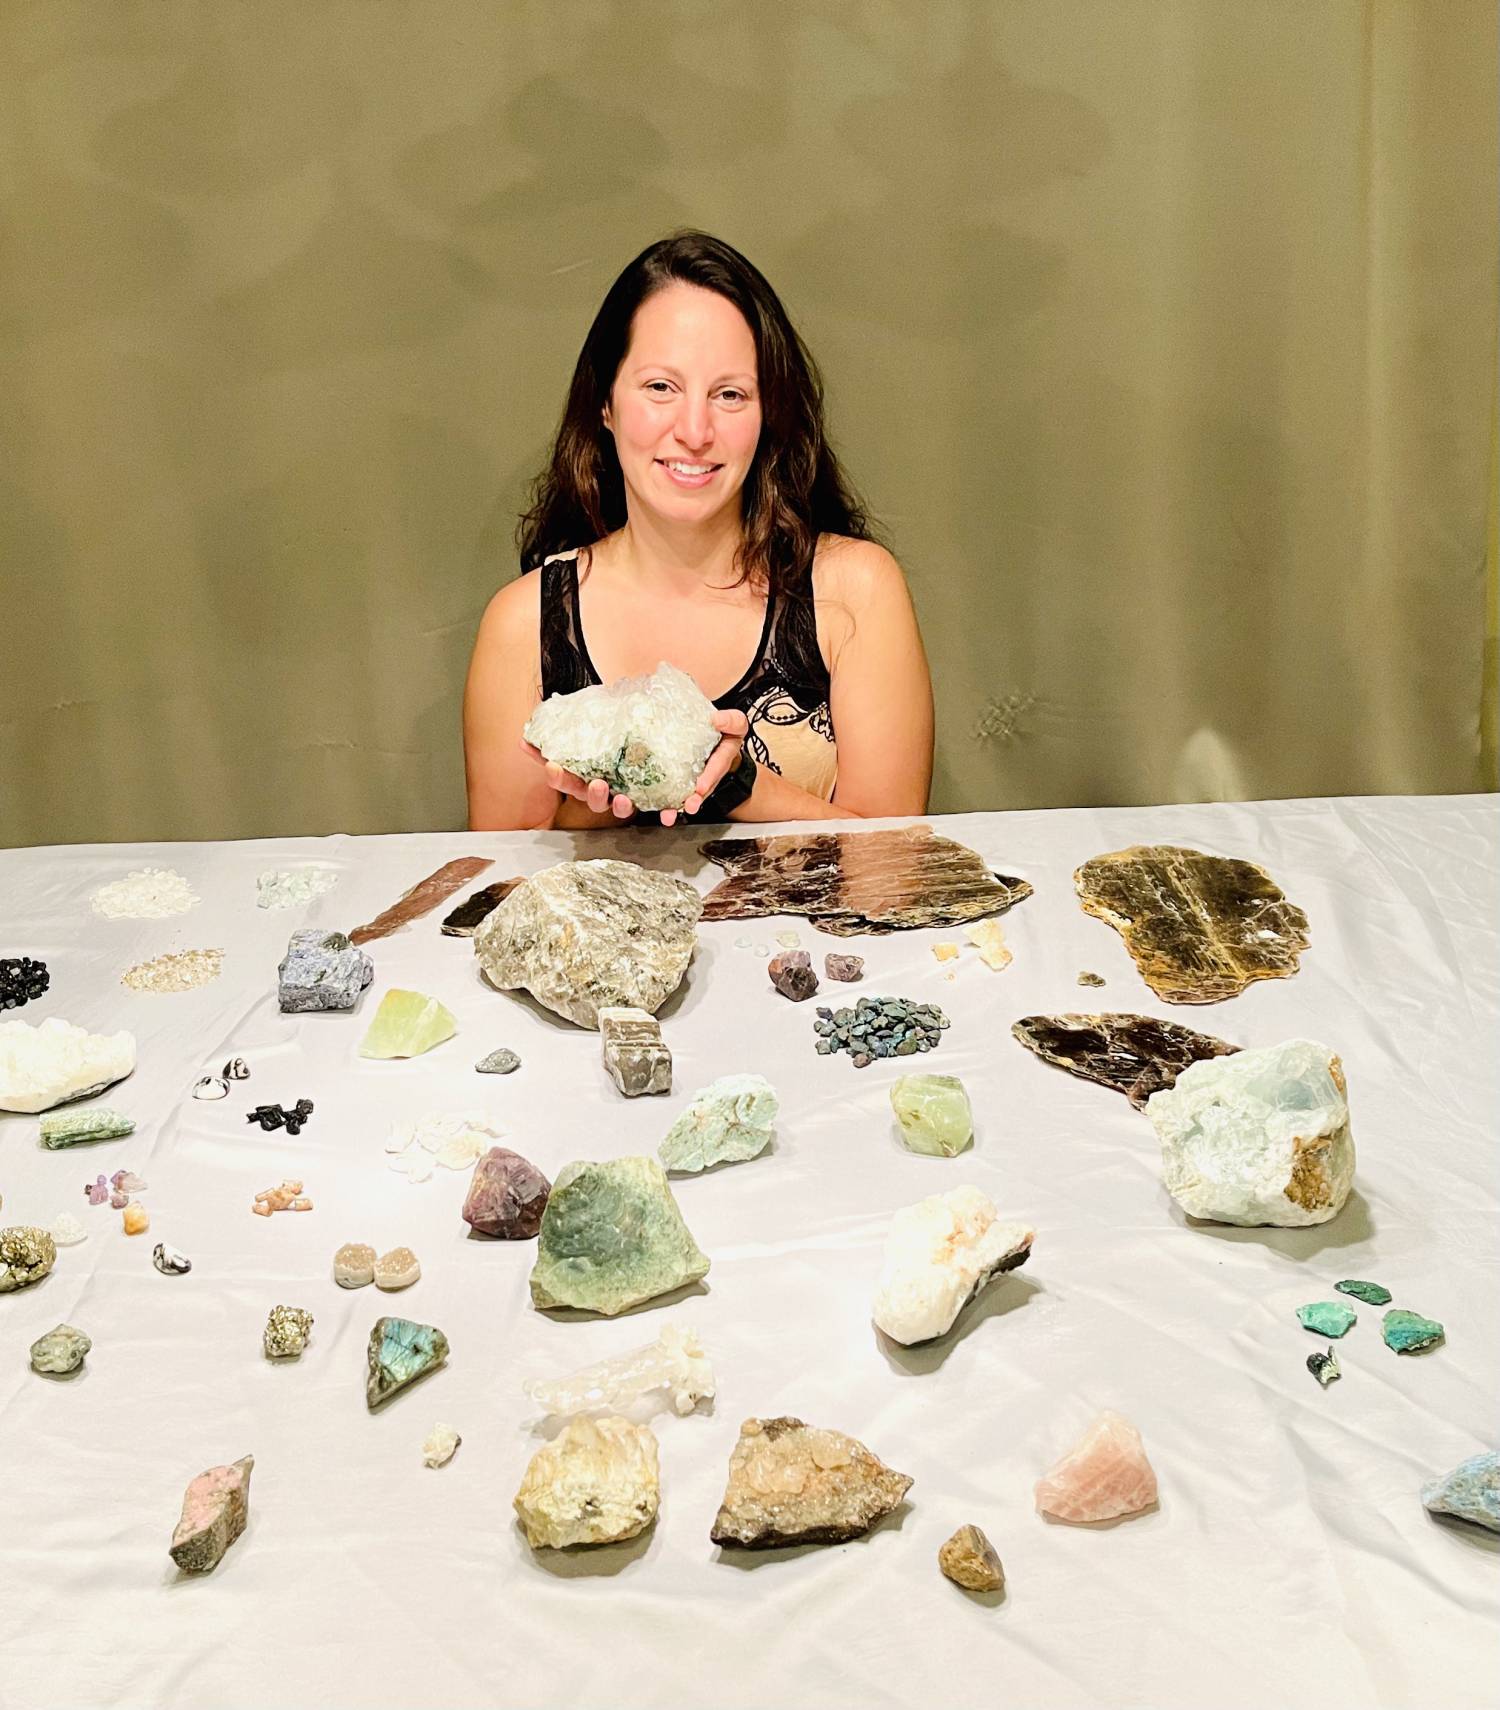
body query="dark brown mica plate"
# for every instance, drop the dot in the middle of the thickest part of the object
(422, 898)
(1200, 927)
(465, 920)
(849, 882)
(1135, 1054)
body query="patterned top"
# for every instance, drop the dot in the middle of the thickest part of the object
(783, 694)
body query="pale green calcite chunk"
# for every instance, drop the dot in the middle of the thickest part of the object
(78, 1127)
(934, 1114)
(611, 1237)
(728, 1121)
(406, 1025)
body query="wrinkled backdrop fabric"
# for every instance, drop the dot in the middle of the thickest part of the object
(1160, 335)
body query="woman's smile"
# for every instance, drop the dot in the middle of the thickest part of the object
(685, 474)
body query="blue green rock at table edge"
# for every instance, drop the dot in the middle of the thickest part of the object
(1470, 1492)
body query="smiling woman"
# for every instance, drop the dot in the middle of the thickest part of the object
(692, 511)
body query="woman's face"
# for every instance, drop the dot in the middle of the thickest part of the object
(685, 408)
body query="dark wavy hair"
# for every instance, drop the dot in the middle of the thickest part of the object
(794, 490)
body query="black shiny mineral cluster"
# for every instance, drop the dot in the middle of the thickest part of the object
(21, 979)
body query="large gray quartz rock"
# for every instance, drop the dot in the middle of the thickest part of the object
(585, 935)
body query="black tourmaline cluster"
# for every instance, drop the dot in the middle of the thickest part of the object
(272, 1116)
(21, 979)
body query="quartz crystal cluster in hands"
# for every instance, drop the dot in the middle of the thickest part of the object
(648, 738)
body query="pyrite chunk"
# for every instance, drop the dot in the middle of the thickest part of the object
(26, 1255)
(1200, 927)
(1135, 1054)
(793, 1483)
(214, 1512)
(286, 1332)
(635, 1054)
(321, 970)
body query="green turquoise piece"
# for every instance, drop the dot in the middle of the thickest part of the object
(406, 1025)
(1371, 1293)
(78, 1127)
(612, 1237)
(399, 1353)
(1471, 1491)
(1327, 1317)
(727, 1122)
(934, 1114)
(1409, 1332)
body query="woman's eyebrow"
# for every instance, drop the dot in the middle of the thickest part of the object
(742, 375)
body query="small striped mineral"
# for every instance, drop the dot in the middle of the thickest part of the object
(635, 1054)
(79, 1127)
(597, 1482)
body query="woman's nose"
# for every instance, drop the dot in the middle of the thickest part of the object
(695, 424)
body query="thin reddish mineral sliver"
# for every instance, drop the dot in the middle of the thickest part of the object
(422, 898)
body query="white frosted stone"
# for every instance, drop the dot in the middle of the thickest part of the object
(596, 1483)
(938, 1255)
(442, 1442)
(647, 737)
(54, 1062)
(674, 1365)
(67, 1231)
(1260, 1137)
(727, 1121)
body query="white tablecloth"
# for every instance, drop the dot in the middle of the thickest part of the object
(1290, 1562)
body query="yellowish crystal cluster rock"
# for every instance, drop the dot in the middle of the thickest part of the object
(793, 1483)
(596, 1483)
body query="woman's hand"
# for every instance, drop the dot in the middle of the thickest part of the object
(594, 792)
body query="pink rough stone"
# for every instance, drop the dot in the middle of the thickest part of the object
(214, 1512)
(507, 1196)
(1103, 1477)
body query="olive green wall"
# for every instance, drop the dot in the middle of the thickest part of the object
(1160, 333)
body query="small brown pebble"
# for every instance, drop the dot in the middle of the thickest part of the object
(1088, 979)
(969, 1560)
(845, 968)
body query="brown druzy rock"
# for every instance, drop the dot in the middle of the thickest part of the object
(507, 1196)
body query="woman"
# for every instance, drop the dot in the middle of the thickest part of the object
(692, 511)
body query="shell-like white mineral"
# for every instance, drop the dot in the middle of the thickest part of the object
(54, 1062)
(1261, 1137)
(647, 737)
(938, 1255)
(596, 1483)
(673, 1364)
(441, 1445)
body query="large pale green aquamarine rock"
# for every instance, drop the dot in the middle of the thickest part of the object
(400, 1352)
(78, 1127)
(728, 1121)
(406, 1025)
(611, 1237)
(934, 1114)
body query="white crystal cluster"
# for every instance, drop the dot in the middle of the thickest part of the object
(1261, 1137)
(647, 737)
(150, 893)
(292, 886)
(674, 1365)
(56, 1061)
(938, 1255)
(455, 1139)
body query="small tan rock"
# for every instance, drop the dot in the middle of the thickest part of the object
(397, 1269)
(969, 1560)
(354, 1265)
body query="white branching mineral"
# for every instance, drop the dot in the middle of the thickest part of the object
(938, 1255)
(1261, 1137)
(647, 737)
(584, 935)
(674, 1366)
(55, 1062)
(596, 1483)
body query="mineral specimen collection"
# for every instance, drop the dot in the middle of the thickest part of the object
(176, 971)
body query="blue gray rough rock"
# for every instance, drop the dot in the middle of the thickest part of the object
(1471, 1491)
(321, 970)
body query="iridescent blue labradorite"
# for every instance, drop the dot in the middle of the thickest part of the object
(400, 1352)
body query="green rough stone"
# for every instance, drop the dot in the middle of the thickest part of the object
(1327, 1317)
(60, 1350)
(728, 1121)
(612, 1237)
(406, 1025)
(934, 1114)
(1408, 1332)
(399, 1353)
(78, 1127)
(1371, 1293)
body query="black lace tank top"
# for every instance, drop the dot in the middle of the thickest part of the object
(783, 694)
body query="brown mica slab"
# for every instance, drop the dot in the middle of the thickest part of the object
(849, 882)
(422, 898)
(467, 918)
(1135, 1054)
(1200, 927)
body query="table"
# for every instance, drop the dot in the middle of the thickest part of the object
(1290, 1561)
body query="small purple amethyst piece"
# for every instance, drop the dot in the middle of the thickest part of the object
(791, 974)
(846, 968)
(507, 1196)
(97, 1191)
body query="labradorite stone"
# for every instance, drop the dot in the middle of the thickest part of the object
(78, 1127)
(1372, 1293)
(1471, 1491)
(1327, 1317)
(612, 1237)
(400, 1352)
(1408, 1332)
(934, 1113)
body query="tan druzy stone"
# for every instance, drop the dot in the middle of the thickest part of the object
(969, 1560)
(791, 1483)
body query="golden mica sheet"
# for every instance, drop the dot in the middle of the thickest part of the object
(422, 898)
(849, 882)
(1200, 927)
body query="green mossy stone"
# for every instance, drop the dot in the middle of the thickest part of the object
(1371, 1293)
(612, 1237)
(1409, 1332)
(406, 1025)
(79, 1127)
(1327, 1317)
(934, 1113)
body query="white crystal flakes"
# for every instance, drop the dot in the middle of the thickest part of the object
(150, 893)
(67, 1231)
(454, 1139)
(647, 737)
(673, 1365)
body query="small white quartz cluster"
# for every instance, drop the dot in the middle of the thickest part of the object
(454, 1139)
(56, 1061)
(149, 893)
(647, 737)
(674, 1364)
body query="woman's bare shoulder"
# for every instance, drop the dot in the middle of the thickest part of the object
(853, 570)
(513, 610)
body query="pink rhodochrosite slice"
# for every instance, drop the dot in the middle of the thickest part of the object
(1104, 1476)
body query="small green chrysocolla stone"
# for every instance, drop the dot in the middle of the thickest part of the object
(934, 1113)
(1326, 1317)
(1371, 1293)
(1407, 1332)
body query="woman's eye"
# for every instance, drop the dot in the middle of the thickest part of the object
(652, 385)
(730, 396)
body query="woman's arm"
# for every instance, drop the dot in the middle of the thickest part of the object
(508, 791)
